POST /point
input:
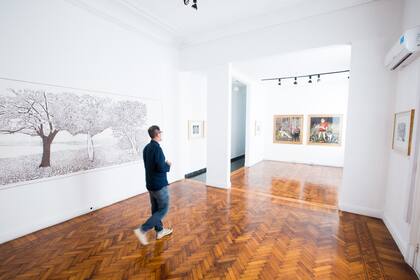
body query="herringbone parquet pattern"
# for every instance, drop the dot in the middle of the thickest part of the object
(218, 234)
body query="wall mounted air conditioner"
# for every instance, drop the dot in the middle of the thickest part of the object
(406, 50)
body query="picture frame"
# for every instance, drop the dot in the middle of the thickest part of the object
(196, 129)
(288, 129)
(403, 131)
(325, 129)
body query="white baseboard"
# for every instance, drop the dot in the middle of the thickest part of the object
(361, 210)
(402, 245)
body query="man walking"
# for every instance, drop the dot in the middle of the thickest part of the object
(157, 184)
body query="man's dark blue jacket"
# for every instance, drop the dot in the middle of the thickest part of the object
(156, 166)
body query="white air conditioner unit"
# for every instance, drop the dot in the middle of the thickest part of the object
(405, 50)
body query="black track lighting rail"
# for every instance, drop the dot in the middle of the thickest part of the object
(318, 75)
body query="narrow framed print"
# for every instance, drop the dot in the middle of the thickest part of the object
(403, 132)
(287, 129)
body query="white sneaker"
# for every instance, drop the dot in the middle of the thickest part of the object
(141, 236)
(164, 232)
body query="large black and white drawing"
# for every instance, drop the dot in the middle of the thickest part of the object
(48, 131)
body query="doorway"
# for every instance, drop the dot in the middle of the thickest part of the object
(238, 124)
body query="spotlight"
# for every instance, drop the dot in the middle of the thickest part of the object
(319, 78)
(295, 83)
(279, 82)
(194, 6)
(310, 80)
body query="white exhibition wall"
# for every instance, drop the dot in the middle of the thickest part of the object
(192, 104)
(399, 192)
(238, 132)
(326, 97)
(89, 53)
(219, 100)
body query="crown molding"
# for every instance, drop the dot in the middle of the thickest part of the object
(129, 18)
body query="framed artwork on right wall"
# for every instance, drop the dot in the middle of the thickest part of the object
(325, 130)
(403, 132)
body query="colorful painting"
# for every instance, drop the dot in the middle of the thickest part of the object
(325, 130)
(288, 129)
(195, 129)
(48, 131)
(403, 130)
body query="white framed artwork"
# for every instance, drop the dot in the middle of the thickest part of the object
(195, 129)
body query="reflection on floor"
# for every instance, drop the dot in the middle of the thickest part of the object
(247, 232)
(306, 183)
(235, 165)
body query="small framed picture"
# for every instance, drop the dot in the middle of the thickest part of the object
(195, 129)
(403, 132)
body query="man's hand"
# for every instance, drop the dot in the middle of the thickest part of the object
(168, 163)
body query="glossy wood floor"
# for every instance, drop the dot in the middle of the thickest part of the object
(248, 232)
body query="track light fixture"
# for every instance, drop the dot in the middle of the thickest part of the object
(194, 5)
(279, 80)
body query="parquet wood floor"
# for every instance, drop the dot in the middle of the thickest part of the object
(307, 183)
(218, 234)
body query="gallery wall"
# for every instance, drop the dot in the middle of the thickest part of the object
(62, 44)
(370, 29)
(400, 170)
(192, 107)
(326, 97)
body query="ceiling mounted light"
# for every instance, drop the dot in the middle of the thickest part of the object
(295, 83)
(194, 6)
(310, 80)
(319, 78)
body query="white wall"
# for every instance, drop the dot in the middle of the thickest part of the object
(326, 97)
(219, 100)
(370, 29)
(192, 106)
(238, 121)
(400, 170)
(55, 42)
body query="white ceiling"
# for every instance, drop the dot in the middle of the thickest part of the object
(211, 14)
(171, 20)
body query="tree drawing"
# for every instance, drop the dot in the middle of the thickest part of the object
(35, 113)
(128, 122)
(91, 118)
(115, 131)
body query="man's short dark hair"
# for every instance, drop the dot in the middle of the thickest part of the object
(153, 131)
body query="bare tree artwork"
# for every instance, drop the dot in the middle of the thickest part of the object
(29, 112)
(67, 125)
